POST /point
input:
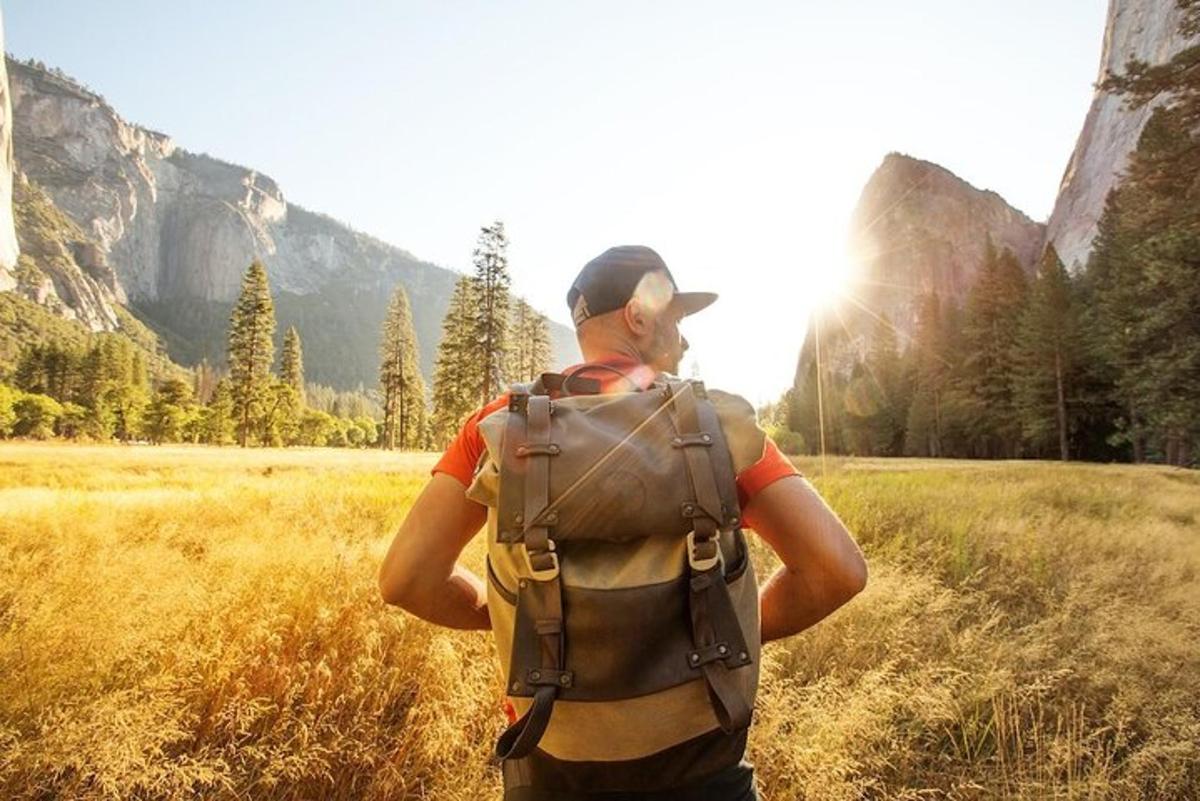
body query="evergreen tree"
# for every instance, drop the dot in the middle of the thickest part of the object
(168, 412)
(994, 306)
(490, 319)
(455, 386)
(50, 369)
(883, 385)
(251, 351)
(528, 354)
(281, 425)
(291, 363)
(400, 376)
(1048, 350)
(216, 423)
(929, 373)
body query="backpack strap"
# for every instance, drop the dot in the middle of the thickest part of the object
(719, 645)
(538, 660)
(565, 384)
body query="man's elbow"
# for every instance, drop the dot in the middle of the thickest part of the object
(854, 576)
(394, 586)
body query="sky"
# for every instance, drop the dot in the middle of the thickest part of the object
(734, 138)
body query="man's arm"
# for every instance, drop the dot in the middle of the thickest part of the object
(822, 567)
(420, 572)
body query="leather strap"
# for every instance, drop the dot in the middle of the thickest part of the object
(720, 645)
(539, 598)
(523, 735)
(565, 384)
(692, 442)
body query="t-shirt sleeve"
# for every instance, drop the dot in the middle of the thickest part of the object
(770, 468)
(462, 455)
(757, 460)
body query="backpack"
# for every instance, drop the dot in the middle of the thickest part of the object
(620, 589)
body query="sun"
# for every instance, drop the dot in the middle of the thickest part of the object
(826, 280)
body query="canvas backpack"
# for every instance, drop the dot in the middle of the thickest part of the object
(620, 589)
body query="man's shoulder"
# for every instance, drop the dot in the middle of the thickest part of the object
(739, 424)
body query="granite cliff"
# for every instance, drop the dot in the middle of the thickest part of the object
(1146, 30)
(917, 228)
(179, 229)
(8, 235)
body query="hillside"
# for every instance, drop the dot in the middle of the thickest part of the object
(179, 229)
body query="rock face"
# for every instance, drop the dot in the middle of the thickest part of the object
(1147, 30)
(919, 228)
(179, 230)
(59, 266)
(8, 236)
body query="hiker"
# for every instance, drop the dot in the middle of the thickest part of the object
(627, 617)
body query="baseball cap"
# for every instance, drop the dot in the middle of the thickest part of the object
(607, 282)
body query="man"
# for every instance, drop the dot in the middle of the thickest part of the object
(626, 310)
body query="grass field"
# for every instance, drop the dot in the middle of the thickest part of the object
(204, 623)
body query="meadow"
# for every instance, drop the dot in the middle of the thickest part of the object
(189, 622)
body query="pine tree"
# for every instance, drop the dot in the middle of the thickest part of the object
(1048, 351)
(400, 376)
(291, 363)
(929, 371)
(889, 390)
(455, 385)
(490, 320)
(217, 418)
(168, 412)
(994, 307)
(251, 351)
(287, 395)
(540, 355)
(528, 355)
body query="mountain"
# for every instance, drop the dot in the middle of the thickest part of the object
(919, 228)
(176, 231)
(1147, 30)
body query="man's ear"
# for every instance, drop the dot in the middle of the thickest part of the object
(636, 317)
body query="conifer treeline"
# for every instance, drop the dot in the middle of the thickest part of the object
(102, 391)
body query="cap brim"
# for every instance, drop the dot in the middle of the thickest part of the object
(692, 302)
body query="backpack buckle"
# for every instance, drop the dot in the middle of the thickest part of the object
(548, 570)
(702, 563)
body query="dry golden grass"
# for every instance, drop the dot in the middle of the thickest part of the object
(190, 622)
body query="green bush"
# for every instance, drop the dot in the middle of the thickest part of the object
(36, 416)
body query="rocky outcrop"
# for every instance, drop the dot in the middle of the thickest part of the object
(60, 268)
(1147, 30)
(919, 228)
(179, 230)
(8, 236)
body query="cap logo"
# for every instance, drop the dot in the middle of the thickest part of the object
(580, 312)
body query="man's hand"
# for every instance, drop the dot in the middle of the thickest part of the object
(420, 572)
(822, 567)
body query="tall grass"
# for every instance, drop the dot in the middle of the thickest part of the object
(189, 622)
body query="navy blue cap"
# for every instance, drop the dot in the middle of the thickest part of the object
(607, 282)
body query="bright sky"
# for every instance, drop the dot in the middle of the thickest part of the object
(734, 138)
